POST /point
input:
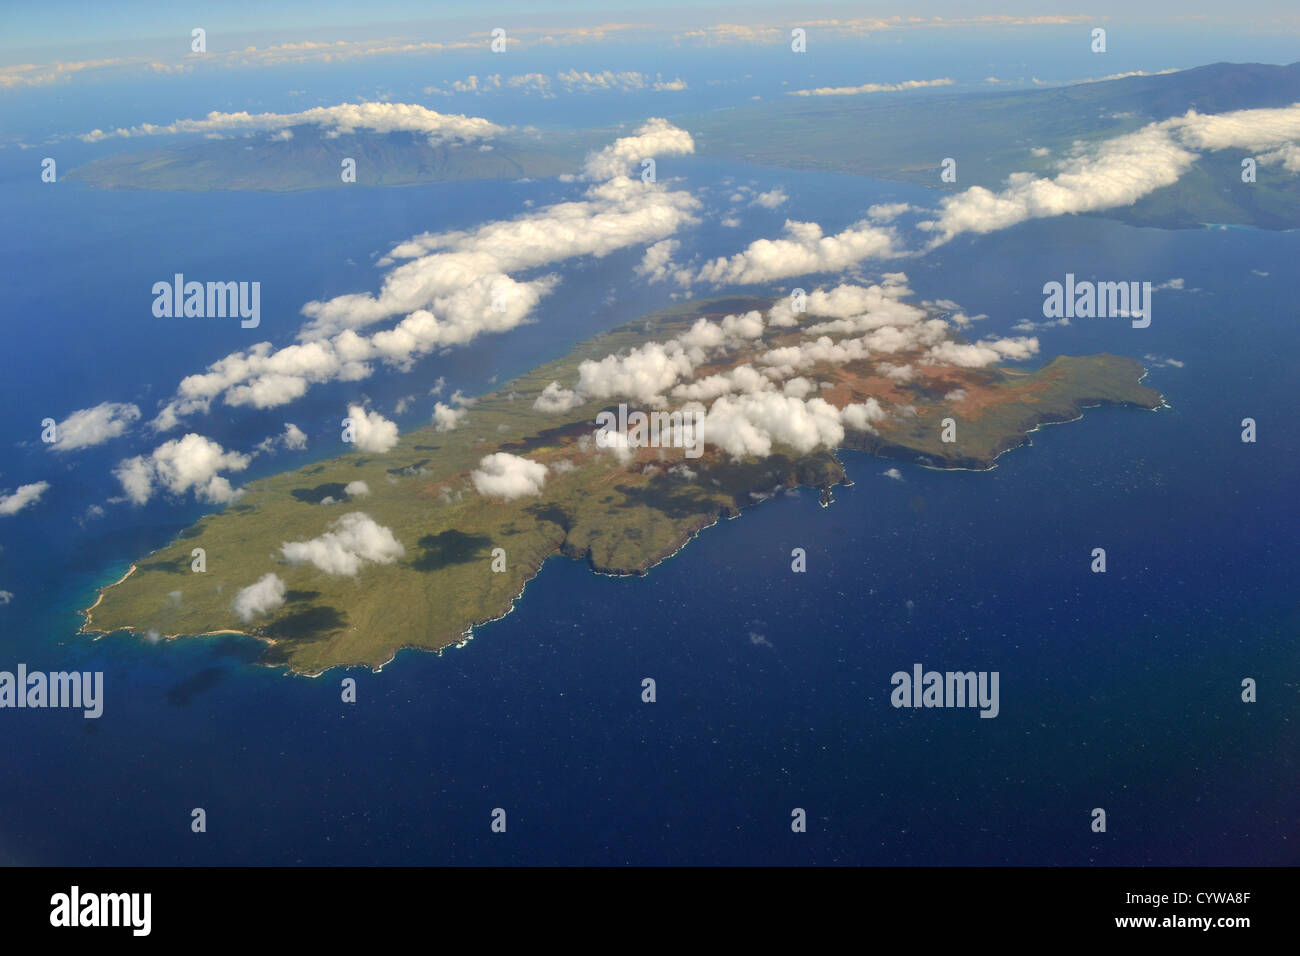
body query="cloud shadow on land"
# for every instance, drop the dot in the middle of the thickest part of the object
(448, 548)
(314, 496)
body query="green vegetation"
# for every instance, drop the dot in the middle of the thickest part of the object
(620, 518)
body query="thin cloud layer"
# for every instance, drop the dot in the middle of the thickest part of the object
(336, 120)
(873, 88)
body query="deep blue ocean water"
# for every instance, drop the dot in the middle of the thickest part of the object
(1118, 691)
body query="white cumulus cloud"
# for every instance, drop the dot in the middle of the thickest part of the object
(446, 418)
(371, 431)
(448, 288)
(191, 463)
(343, 118)
(260, 598)
(804, 250)
(94, 426)
(502, 475)
(352, 541)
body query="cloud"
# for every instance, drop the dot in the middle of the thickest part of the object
(1158, 361)
(872, 88)
(183, 464)
(295, 439)
(1241, 129)
(94, 426)
(742, 378)
(770, 199)
(645, 373)
(23, 496)
(292, 438)
(1116, 172)
(569, 81)
(353, 541)
(863, 416)
(887, 212)
(749, 425)
(6, 597)
(763, 401)
(981, 354)
(893, 473)
(1123, 76)
(343, 118)
(788, 359)
(501, 475)
(855, 308)
(803, 251)
(356, 489)
(657, 263)
(261, 598)
(446, 418)
(555, 399)
(605, 80)
(448, 288)
(766, 33)
(655, 137)
(472, 84)
(520, 37)
(1288, 155)
(371, 431)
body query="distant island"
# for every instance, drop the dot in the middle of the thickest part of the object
(894, 136)
(310, 158)
(442, 574)
(992, 135)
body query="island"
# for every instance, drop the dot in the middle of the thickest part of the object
(309, 158)
(902, 137)
(456, 550)
(995, 135)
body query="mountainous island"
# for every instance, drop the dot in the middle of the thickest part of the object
(465, 512)
(992, 135)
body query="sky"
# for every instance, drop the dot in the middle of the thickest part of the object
(69, 28)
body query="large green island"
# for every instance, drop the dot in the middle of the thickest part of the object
(621, 513)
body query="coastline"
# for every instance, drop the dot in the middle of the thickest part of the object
(819, 470)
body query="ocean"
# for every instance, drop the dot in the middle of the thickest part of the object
(1118, 691)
